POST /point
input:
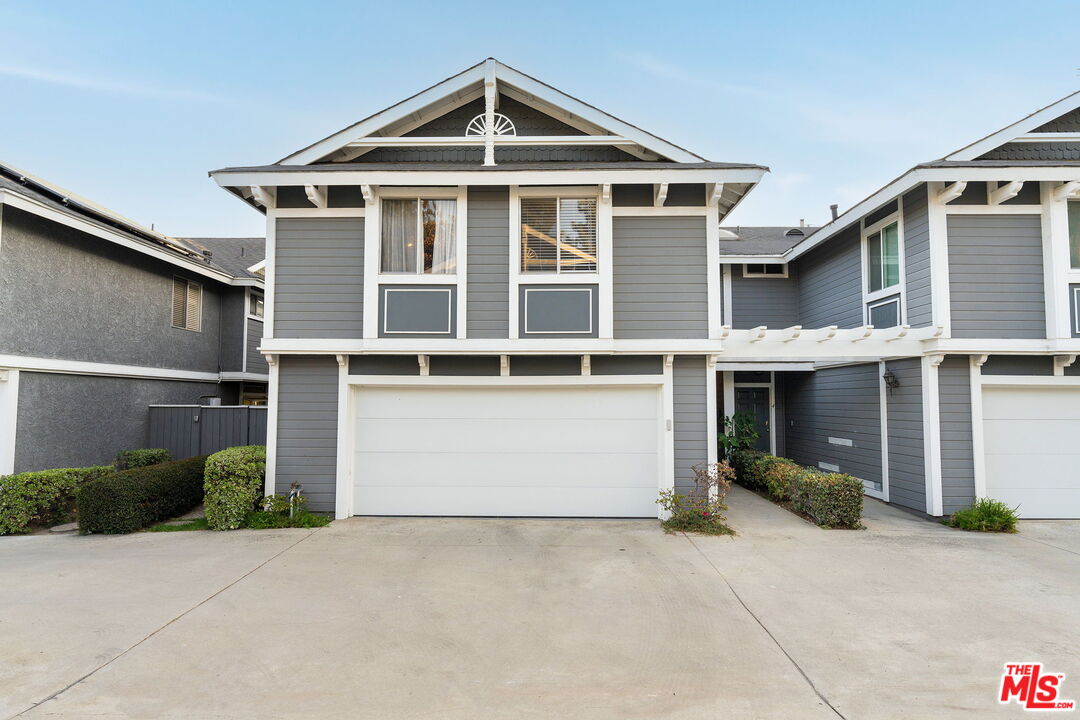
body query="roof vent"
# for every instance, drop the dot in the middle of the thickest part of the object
(207, 254)
(794, 232)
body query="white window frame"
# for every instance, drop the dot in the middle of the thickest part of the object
(251, 296)
(386, 307)
(586, 194)
(747, 274)
(895, 298)
(900, 288)
(1076, 310)
(525, 314)
(460, 231)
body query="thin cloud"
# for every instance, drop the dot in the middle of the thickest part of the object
(94, 84)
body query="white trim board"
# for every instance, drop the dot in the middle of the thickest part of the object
(79, 367)
(9, 419)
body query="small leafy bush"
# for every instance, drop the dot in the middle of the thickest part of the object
(753, 468)
(779, 476)
(740, 462)
(42, 497)
(233, 483)
(126, 501)
(986, 515)
(829, 499)
(127, 459)
(275, 514)
(738, 433)
(701, 510)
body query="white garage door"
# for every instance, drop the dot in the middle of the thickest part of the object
(509, 451)
(1032, 442)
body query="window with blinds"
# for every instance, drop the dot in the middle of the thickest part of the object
(186, 305)
(558, 235)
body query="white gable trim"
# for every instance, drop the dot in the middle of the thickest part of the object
(469, 84)
(1021, 127)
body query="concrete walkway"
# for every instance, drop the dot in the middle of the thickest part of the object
(459, 618)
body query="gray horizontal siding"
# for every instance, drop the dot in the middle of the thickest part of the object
(841, 403)
(917, 258)
(996, 276)
(487, 313)
(830, 283)
(690, 418)
(764, 301)
(319, 278)
(660, 283)
(957, 456)
(256, 363)
(307, 428)
(907, 471)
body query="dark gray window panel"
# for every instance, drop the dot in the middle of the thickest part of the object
(632, 195)
(60, 416)
(830, 282)
(555, 311)
(957, 455)
(487, 314)
(384, 365)
(1074, 310)
(884, 313)
(307, 428)
(545, 365)
(1029, 194)
(292, 196)
(773, 301)
(1066, 151)
(881, 213)
(1018, 365)
(841, 403)
(660, 278)
(464, 365)
(996, 276)
(917, 258)
(907, 469)
(338, 196)
(319, 278)
(233, 340)
(66, 294)
(689, 418)
(256, 361)
(417, 310)
(974, 194)
(626, 365)
(685, 195)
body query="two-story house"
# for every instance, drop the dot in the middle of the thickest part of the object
(101, 318)
(495, 299)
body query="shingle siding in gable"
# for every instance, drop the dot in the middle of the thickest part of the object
(917, 258)
(773, 302)
(1069, 122)
(830, 283)
(488, 304)
(957, 457)
(660, 283)
(307, 400)
(319, 278)
(907, 471)
(1035, 151)
(996, 276)
(690, 418)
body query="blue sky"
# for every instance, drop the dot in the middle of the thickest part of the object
(131, 103)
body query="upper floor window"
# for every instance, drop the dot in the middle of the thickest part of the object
(558, 235)
(186, 305)
(1074, 233)
(256, 305)
(883, 258)
(419, 236)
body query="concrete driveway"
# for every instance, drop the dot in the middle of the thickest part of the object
(457, 618)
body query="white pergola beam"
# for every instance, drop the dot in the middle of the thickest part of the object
(263, 195)
(1006, 192)
(952, 191)
(316, 194)
(1067, 190)
(660, 194)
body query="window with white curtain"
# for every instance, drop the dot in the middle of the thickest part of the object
(558, 235)
(419, 236)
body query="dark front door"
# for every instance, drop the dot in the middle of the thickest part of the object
(755, 400)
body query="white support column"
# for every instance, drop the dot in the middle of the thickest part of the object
(372, 232)
(1056, 260)
(271, 424)
(462, 260)
(343, 479)
(712, 260)
(667, 408)
(9, 416)
(729, 393)
(605, 285)
(728, 310)
(883, 401)
(514, 240)
(938, 226)
(932, 433)
(269, 275)
(711, 430)
(977, 444)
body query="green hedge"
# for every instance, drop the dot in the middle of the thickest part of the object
(128, 459)
(41, 497)
(830, 499)
(233, 484)
(129, 500)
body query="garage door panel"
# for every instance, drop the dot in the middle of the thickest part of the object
(1013, 471)
(1038, 502)
(1000, 403)
(505, 435)
(1047, 435)
(507, 501)
(552, 403)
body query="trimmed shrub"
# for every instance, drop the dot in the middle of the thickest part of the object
(752, 466)
(128, 459)
(42, 497)
(233, 484)
(986, 515)
(829, 499)
(740, 462)
(779, 476)
(126, 501)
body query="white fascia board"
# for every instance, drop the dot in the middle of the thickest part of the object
(976, 346)
(752, 259)
(79, 367)
(244, 376)
(32, 206)
(1021, 127)
(381, 119)
(916, 176)
(315, 176)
